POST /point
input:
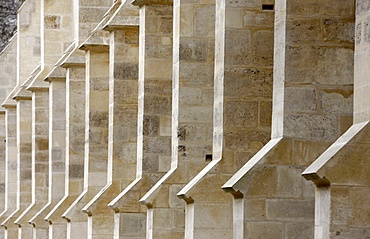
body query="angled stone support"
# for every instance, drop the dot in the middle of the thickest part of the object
(96, 136)
(312, 95)
(154, 116)
(20, 168)
(192, 116)
(340, 174)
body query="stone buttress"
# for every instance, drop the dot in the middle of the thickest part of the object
(192, 116)
(341, 173)
(242, 110)
(122, 118)
(312, 95)
(154, 116)
(8, 82)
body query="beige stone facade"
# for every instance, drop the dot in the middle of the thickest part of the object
(192, 119)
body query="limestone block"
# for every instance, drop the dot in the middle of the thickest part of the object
(337, 101)
(264, 230)
(301, 99)
(263, 51)
(341, 30)
(297, 230)
(311, 126)
(297, 209)
(345, 8)
(237, 48)
(135, 224)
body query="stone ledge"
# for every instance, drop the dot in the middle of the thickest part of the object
(95, 47)
(148, 198)
(69, 213)
(185, 193)
(22, 94)
(316, 171)
(231, 185)
(60, 207)
(141, 3)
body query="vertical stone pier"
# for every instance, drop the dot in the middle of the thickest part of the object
(10, 158)
(20, 168)
(242, 111)
(75, 136)
(58, 227)
(73, 72)
(192, 116)
(2, 158)
(56, 162)
(154, 116)
(39, 154)
(340, 174)
(8, 82)
(96, 136)
(122, 134)
(312, 95)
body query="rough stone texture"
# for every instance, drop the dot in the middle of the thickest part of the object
(309, 99)
(192, 116)
(40, 159)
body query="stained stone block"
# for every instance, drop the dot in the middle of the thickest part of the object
(247, 4)
(293, 209)
(193, 50)
(263, 230)
(344, 8)
(337, 101)
(52, 22)
(243, 114)
(300, 99)
(238, 49)
(311, 126)
(260, 19)
(203, 27)
(303, 30)
(341, 30)
(298, 231)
